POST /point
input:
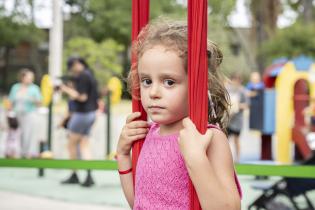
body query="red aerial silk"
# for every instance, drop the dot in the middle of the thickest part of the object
(140, 18)
(197, 70)
(197, 73)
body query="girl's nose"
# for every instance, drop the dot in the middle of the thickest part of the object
(154, 91)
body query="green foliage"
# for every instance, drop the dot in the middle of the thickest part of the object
(300, 7)
(220, 9)
(103, 58)
(112, 18)
(13, 32)
(290, 42)
(169, 8)
(221, 36)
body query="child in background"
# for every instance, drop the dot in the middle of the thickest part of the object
(13, 139)
(254, 84)
(174, 151)
(238, 105)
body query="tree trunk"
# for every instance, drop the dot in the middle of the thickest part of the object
(126, 68)
(308, 10)
(264, 23)
(31, 3)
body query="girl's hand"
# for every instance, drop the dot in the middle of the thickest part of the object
(131, 132)
(193, 145)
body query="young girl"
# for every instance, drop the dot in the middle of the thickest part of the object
(174, 151)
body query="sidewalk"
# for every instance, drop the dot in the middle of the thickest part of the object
(17, 201)
(23, 189)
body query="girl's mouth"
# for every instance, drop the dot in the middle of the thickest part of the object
(155, 108)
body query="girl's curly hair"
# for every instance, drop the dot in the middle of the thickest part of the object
(173, 36)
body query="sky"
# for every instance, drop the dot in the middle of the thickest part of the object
(43, 11)
(240, 16)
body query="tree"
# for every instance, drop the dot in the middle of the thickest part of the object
(112, 18)
(103, 58)
(232, 61)
(304, 8)
(102, 20)
(15, 28)
(293, 41)
(264, 23)
(221, 9)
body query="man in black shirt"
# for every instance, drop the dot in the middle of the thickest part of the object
(84, 96)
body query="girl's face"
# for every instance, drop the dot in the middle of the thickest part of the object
(163, 85)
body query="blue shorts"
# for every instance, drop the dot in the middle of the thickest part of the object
(81, 123)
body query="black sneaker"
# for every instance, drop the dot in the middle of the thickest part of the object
(88, 181)
(73, 179)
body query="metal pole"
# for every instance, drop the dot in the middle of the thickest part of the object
(108, 124)
(50, 119)
(47, 146)
(55, 59)
(55, 40)
(41, 149)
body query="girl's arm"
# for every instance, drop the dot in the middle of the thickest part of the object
(131, 132)
(210, 167)
(126, 180)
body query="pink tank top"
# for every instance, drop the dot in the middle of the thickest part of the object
(162, 180)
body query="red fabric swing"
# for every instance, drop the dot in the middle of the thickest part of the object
(197, 70)
(140, 18)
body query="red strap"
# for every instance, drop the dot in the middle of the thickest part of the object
(125, 172)
(140, 17)
(197, 73)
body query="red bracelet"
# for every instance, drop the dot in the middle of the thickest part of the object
(125, 172)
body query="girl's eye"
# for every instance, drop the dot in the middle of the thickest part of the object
(146, 82)
(168, 82)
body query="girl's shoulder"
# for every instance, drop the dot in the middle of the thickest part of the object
(218, 133)
(216, 130)
(214, 126)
